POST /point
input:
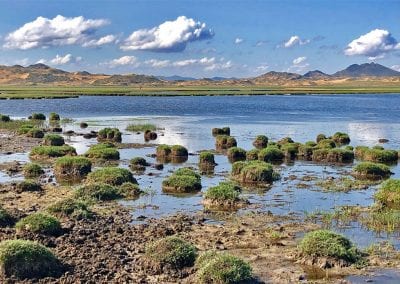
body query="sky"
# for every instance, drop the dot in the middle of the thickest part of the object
(200, 38)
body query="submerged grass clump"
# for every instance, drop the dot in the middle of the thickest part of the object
(75, 167)
(39, 223)
(27, 259)
(372, 171)
(183, 180)
(138, 164)
(214, 267)
(54, 116)
(141, 127)
(103, 152)
(376, 154)
(111, 175)
(46, 152)
(172, 251)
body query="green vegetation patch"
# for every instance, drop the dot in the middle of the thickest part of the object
(341, 138)
(32, 170)
(236, 154)
(172, 251)
(333, 155)
(261, 141)
(111, 175)
(98, 191)
(43, 152)
(389, 193)
(27, 259)
(39, 223)
(103, 152)
(138, 164)
(35, 133)
(183, 180)
(29, 185)
(221, 131)
(110, 134)
(376, 154)
(5, 218)
(4, 118)
(213, 267)
(72, 167)
(54, 116)
(71, 207)
(372, 171)
(207, 157)
(252, 155)
(141, 127)
(326, 144)
(53, 140)
(253, 172)
(37, 116)
(271, 154)
(225, 142)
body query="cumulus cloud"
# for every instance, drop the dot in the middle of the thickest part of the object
(170, 36)
(158, 63)
(299, 60)
(299, 64)
(207, 63)
(61, 60)
(295, 40)
(124, 61)
(238, 40)
(374, 44)
(59, 31)
(101, 41)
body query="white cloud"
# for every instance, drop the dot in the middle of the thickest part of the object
(186, 62)
(23, 61)
(208, 63)
(158, 63)
(262, 68)
(59, 31)
(238, 40)
(123, 61)
(101, 41)
(299, 60)
(61, 60)
(374, 44)
(295, 40)
(170, 36)
(396, 67)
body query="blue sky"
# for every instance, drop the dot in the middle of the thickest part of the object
(200, 38)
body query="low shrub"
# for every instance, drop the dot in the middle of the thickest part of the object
(236, 154)
(223, 196)
(221, 131)
(45, 152)
(111, 175)
(253, 172)
(32, 170)
(5, 218)
(39, 223)
(213, 267)
(335, 155)
(369, 170)
(179, 151)
(71, 207)
(225, 142)
(27, 259)
(4, 118)
(260, 142)
(376, 154)
(341, 138)
(98, 191)
(172, 251)
(183, 180)
(103, 152)
(129, 190)
(389, 194)
(325, 243)
(290, 150)
(72, 167)
(37, 116)
(271, 154)
(53, 140)
(320, 137)
(326, 143)
(54, 116)
(285, 140)
(252, 155)
(109, 134)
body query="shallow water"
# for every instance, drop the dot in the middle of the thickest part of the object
(188, 121)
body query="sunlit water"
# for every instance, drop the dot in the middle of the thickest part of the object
(188, 121)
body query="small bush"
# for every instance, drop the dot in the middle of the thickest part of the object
(32, 170)
(341, 138)
(54, 116)
(43, 152)
(28, 185)
(5, 218)
(71, 207)
(373, 171)
(4, 118)
(110, 134)
(35, 133)
(141, 127)
(37, 116)
(111, 175)
(253, 172)
(39, 223)
(270, 154)
(183, 180)
(389, 194)
(99, 191)
(172, 251)
(72, 167)
(103, 152)
(260, 142)
(221, 131)
(225, 142)
(222, 268)
(53, 140)
(27, 259)
(325, 243)
(252, 155)
(236, 154)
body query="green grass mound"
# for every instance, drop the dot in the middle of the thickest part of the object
(389, 194)
(179, 151)
(141, 127)
(320, 137)
(341, 138)
(260, 142)
(223, 268)
(98, 191)
(163, 150)
(46, 152)
(39, 223)
(372, 171)
(35, 133)
(5, 218)
(285, 140)
(172, 251)
(224, 196)
(305, 151)
(271, 154)
(109, 134)
(183, 180)
(253, 172)
(24, 128)
(138, 164)
(326, 144)
(71, 207)
(37, 116)
(252, 155)
(27, 259)
(236, 154)
(75, 167)
(32, 170)
(376, 154)
(130, 190)
(53, 140)
(221, 131)
(290, 150)
(29, 185)
(325, 243)
(335, 155)
(225, 142)
(4, 118)
(206, 158)
(54, 116)
(103, 152)
(111, 175)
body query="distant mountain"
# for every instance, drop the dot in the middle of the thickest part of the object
(367, 69)
(176, 78)
(316, 75)
(277, 77)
